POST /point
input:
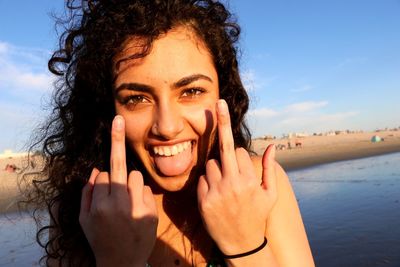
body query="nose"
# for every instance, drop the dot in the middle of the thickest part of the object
(168, 121)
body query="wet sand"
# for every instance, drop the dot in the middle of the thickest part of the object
(314, 150)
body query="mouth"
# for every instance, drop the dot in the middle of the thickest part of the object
(173, 160)
(172, 150)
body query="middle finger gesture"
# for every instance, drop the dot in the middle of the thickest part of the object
(233, 201)
(118, 213)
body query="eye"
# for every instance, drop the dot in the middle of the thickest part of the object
(133, 100)
(193, 92)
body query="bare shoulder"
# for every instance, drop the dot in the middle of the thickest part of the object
(285, 229)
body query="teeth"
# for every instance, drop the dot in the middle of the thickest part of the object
(171, 150)
(167, 151)
(179, 148)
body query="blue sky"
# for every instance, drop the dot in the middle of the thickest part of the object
(309, 65)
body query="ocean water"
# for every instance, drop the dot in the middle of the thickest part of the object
(17, 241)
(351, 211)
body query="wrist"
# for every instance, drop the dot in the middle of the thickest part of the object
(263, 258)
(259, 256)
(246, 253)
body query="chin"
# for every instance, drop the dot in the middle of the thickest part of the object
(172, 187)
(173, 184)
(184, 182)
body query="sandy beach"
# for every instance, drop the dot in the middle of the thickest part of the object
(314, 150)
(9, 188)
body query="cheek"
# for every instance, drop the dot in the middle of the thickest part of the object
(203, 120)
(137, 128)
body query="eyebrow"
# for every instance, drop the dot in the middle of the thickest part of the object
(134, 87)
(146, 88)
(192, 78)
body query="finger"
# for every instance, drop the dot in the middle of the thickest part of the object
(93, 177)
(148, 199)
(118, 168)
(213, 173)
(135, 187)
(268, 165)
(101, 187)
(202, 189)
(245, 164)
(226, 142)
(87, 191)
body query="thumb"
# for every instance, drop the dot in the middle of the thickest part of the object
(268, 165)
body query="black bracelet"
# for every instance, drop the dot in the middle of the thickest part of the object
(234, 256)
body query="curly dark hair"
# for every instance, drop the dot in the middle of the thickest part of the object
(76, 136)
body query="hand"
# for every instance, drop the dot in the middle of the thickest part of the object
(118, 213)
(234, 203)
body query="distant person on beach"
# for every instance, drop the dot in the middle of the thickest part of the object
(146, 165)
(11, 168)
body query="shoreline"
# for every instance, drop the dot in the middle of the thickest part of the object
(317, 150)
(306, 163)
(314, 151)
(300, 161)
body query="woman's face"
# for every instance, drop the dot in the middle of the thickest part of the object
(168, 101)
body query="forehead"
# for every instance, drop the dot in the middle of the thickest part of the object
(175, 54)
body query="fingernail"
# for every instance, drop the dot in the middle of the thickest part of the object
(222, 107)
(118, 122)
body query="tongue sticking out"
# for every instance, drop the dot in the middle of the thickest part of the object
(174, 165)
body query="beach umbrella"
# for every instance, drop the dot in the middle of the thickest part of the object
(375, 139)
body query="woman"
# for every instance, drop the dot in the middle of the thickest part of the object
(145, 163)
